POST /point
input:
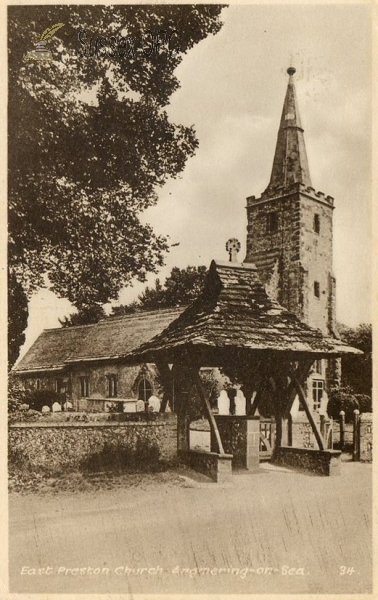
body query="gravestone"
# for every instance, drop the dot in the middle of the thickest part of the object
(240, 403)
(140, 406)
(223, 403)
(154, 404)
(56, 407)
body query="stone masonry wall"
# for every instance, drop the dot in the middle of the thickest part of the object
(299, 254)
(61, 447)
(316, 259)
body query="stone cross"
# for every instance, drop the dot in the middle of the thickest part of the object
(233, 247)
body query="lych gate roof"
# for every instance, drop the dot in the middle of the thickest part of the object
(108, 339)
(235, 312)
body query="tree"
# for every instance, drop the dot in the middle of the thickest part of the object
(345, 399)
(357, 371)
(17, 305)
(87, 315)
(81, 172)
(181, 288)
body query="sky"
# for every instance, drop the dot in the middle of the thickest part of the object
(232, 90)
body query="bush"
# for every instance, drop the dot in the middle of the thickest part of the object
(345, 399)
(39, 398)
(18, 403)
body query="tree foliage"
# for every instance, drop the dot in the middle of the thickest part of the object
(181, 288)
(90, 143)
(357, 371)
(345, 399)
(17, 305)
(85, 316)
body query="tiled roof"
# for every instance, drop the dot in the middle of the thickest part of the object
(235, 312)
(111, 338)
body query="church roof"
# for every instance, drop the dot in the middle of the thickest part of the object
(234, 313)
(109, 339)
(290, 164)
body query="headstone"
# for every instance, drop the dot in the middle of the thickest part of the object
(129, 406)
(67, 405)
(56, 407)
(154, 404)
(45, 409)
(140, 406)
(223, 403)
(240, 403)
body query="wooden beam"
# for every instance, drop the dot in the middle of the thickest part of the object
(212, 421)
(301, 372)
(303, 401)
(166, 377)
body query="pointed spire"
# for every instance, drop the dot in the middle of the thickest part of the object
(290, 163)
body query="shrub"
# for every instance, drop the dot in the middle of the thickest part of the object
(344, 399)
(39, 398)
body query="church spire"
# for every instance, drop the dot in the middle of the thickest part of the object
(290, 159)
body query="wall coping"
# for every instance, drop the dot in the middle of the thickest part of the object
(206, 453)
(240, 417)
(85, 425)
(329, 452)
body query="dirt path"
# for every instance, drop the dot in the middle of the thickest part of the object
(266, 522)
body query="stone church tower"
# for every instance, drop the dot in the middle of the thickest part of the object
(289, 235)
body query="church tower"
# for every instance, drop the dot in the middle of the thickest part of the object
(289, 232)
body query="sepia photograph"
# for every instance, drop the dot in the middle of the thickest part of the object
(189, 276)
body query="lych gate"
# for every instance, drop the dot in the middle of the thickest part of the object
(235, 324)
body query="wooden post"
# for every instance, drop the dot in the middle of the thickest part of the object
(356, 434)
(323, 426)
(167, 381)
(183, 421)
(342, 430)
(303, 401)
(212, 421)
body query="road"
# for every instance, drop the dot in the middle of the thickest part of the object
(272, 531)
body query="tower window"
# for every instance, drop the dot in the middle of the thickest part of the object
(84, 387)
(317, 223)
(317, 289)
(112, 386)
(272, 222)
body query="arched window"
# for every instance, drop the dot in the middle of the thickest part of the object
(144, 390)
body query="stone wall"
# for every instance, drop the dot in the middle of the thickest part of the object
(56, 448)
(302, 434)
(319, 462)
(214, 465)
(128, 378)
(300, 254)
(240, 436)
(366, 437)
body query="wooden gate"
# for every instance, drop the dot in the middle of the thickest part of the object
(267, 436)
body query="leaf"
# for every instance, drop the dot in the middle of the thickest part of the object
(50, 31)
